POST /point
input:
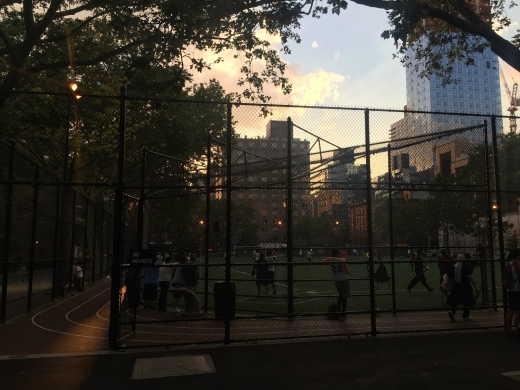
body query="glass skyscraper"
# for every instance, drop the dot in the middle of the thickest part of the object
(477, 92)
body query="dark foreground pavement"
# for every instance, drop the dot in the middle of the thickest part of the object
(437, 362)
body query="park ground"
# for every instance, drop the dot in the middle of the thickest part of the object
(64, 346)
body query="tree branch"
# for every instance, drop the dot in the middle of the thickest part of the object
(93, 61)
(475, 25)
(28, 15)
(8, 47)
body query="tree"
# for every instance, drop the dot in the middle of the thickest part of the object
(450, 30)
(47, 36)
(312, 230)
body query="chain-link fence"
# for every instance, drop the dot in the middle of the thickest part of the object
(47, 229)
(279, 222)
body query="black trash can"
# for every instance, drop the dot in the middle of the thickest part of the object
(219, 294)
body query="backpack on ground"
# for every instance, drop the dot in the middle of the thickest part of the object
(508, 280)
(381, 274)
(333, 312)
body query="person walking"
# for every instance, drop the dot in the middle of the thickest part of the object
(462, 291)
(418, 267)
(340, 272)
(271, 260)
(513, 295)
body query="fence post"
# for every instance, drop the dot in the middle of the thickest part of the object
(206, 228)
(490, 216)
(72, 231)
(391, 225)
(30, 267)
(85, 242)
(56, 241)
(94, 244)
(118, 221)
(229, 138)
(140, 210)
(290, 269)
(369, 227)
(500, 226)
(9, 205)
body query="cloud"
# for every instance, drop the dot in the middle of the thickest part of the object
(505, 31)
(314, 44)
(308, 89)
(336, 56)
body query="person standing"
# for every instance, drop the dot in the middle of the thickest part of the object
(78, 277)
(271, 259)
(513, 295)
(260, 268)
(340, 272)
(191, 273)
(462, 291)
(178, 280)
(151, 278)
(165, 275)
(418, 267)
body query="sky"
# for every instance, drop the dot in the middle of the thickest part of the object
(342, 61)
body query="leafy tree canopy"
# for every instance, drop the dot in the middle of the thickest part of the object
(44, 36)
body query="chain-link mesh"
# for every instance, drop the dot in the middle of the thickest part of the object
(256, 197)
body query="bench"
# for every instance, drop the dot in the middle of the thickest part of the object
(192, 304)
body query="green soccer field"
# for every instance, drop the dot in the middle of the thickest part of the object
(314, 290)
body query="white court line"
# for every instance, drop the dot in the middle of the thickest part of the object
(33, 320)
(77, 307)
(97, 313)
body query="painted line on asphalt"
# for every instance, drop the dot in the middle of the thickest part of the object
(77, 307)
(33, 320)
(99, 315)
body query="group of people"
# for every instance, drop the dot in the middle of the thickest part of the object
(456, 280)
(182, 273)
(263, 268)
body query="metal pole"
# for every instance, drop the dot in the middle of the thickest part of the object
(71, 259)
(30, 268)
(499, 208)
(391, 223)
(101, 249)
(289, 204)
(94, 243)
(369, 227)
(67, 132)
(85, 241)
(490, 219)
(56, 241)
(229, 138)
(8, 211)
(118, 221)
(140, 210)
(208, 195)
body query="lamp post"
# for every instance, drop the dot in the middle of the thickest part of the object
(71, 94)
(201, 223)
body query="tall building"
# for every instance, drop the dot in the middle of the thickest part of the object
(476, 91)
(259, 175)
